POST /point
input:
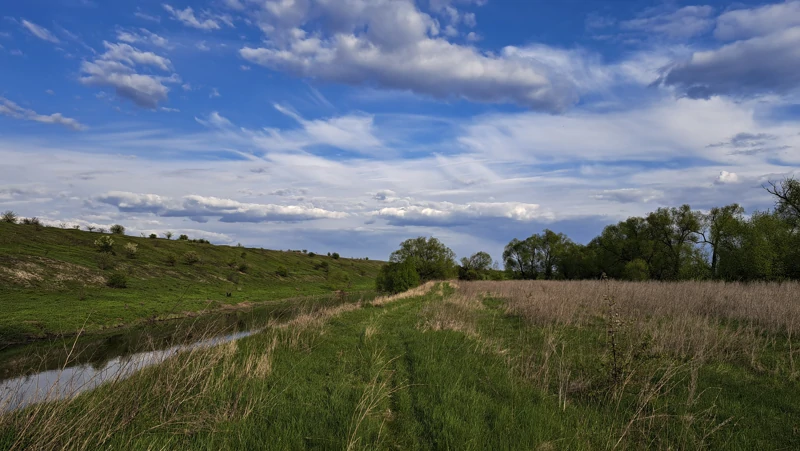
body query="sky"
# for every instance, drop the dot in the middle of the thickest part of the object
(350, 125)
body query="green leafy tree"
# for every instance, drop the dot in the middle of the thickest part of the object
(431, 259)
(475, 267)
(787, 199)
(183, 238)
(636, 270)
(519, 258)
(396, 277)
(117, 229)
(720, 228)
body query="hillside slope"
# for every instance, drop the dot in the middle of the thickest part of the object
(51, 281)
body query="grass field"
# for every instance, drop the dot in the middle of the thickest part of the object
(51, 281)
(479, 365)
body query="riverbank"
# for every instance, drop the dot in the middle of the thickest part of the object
(479, 365)
(55, 282)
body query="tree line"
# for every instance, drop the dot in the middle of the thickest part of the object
(676, 243)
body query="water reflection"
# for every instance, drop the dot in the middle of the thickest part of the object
(64, 383)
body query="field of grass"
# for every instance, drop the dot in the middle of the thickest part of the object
(479, 365)
(51, 281)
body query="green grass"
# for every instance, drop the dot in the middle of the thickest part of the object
(51, 283)
(428, 372)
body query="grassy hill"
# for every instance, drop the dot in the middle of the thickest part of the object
(54, 281)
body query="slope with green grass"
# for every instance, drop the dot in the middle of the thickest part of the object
(55, 281)
(436, 369)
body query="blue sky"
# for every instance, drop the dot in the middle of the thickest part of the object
(350, 125)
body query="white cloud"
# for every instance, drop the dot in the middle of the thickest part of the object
(727, 178)
(144, 36)
(761, 65)
(201, 207)
(748, 23)
(214, 93)
(11, 109)
(395, 45)
(629, 195)
(116, 68)
(202, 46)
(446, 213)
(40, 32)
(188, 18)
(683, 23)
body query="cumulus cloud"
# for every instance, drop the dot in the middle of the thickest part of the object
(748, 23)
(11, 109)
(446, 213)
(761, 65)
(395, 45)
(684, 23)
(40, 32)
(199, 208)
(727, 178)
(116, 68)
(188, 18)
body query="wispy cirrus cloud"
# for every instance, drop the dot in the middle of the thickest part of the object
(11, 109)
(40, 32)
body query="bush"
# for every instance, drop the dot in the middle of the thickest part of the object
(117, 229)
(335, 256)
(106, 261)
(32, 221)
(131, 249)
(397, 277)
(191, 257)
(338, 280)
(282, 271)
(242, 267)
(168, 235)
(104, 244)
(153, 236)
(183, 238)
(117, 280)
(311, 254)
(321, 265)
(171, 260)
(9, 217)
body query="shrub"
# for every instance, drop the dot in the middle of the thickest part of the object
(397, 277)
(242, 267)
(171, 260)
(321, 265)
(117, 229)
(104, 244)
(338, 280)
(168, 235)
(117, 280)
(183, 238)
(9, 217)
(131, 249)
(231, 263)
(335, 256)
(191, 257)
(32, 221)
(153, 236)
(233, 277)
(282, 271)
(311, 254)
(105, 261)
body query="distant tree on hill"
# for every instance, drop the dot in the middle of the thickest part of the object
(117, 229)
(168, 235)
(9, 217)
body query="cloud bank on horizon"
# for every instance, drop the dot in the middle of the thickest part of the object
(350, 125)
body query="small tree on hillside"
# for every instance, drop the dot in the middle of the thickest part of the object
(105, 244)
(183, 238)
(117, 229)
(9, 217)
(168, 235)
